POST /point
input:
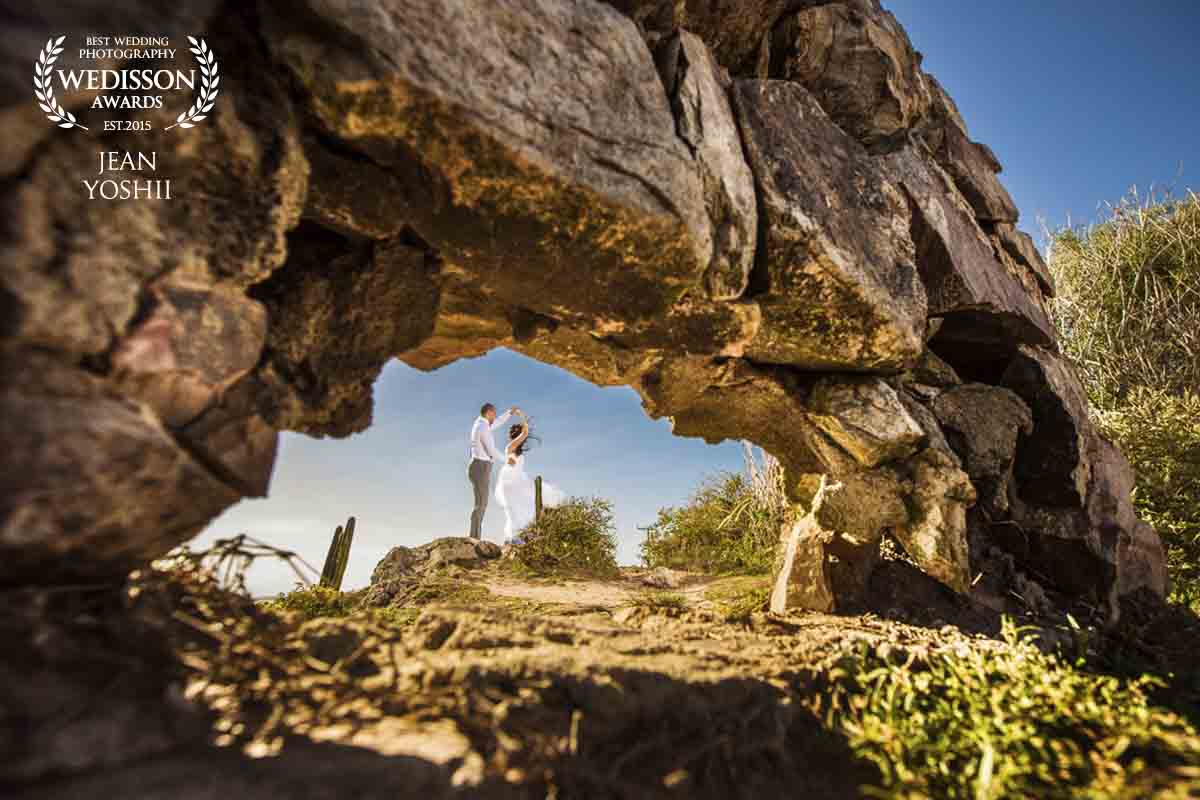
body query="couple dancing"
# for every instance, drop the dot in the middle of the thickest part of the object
(514, 488)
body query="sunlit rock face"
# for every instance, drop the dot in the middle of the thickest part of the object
(763, 216)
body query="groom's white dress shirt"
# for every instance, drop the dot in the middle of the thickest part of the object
(483, 446)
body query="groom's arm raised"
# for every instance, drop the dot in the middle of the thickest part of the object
(503, 418)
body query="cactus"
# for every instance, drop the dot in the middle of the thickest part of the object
(338, 556)
(537, 498)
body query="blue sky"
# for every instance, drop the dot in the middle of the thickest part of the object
(1080, 101)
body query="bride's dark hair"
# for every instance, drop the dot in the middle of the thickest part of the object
(516, 431)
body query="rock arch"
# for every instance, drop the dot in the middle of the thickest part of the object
(768, 220)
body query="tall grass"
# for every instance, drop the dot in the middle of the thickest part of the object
(1128, 303)
(1128, 309)
(730, 525)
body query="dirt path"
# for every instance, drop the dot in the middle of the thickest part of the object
(599, 593)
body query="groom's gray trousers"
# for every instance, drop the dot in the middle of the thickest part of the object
(480, 474)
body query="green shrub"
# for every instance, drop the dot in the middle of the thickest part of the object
(1004, 721)
(575, 537)
(315, 601)
(1160, 434)
(730, 525)
(1128, 309)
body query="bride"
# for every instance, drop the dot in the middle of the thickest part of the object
(514, 489)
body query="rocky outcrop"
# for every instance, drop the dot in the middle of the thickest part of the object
(763, 216)
(404, 569)
(1075, 520)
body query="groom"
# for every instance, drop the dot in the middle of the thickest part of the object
(483, 453)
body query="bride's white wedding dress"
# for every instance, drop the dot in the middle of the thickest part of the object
(514, 492)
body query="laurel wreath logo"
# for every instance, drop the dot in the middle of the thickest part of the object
(44, 89)
(208, 86)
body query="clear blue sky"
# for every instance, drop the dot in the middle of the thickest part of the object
(1080, 101)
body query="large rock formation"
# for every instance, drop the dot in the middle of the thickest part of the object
(763, 216)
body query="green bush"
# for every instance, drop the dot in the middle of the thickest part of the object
(575, 537)
(730, 525)
(315, 601)
(1004, 721)
(1128, 309)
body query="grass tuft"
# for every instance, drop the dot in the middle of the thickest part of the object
(659, 602)
(737, 598)
(1004, 721)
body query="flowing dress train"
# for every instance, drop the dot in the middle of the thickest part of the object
(515, 494)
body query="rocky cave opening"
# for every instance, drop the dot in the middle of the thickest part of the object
(808, 253)
(767, 220)
(403, 478)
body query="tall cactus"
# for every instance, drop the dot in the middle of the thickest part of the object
(537, 498)
(338, 556)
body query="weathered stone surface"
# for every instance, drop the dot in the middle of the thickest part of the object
(1020, 246)
(577, 166)
(91, 480)
(1074, 507)
(914, 403)
(736, 30)
(697, 393)
(861, 67)
(664, 578)
(958, 266)
(340, 315)
(233, 439)
(982, 424)
(469, 322)
(801, 572)
(931, 372)
(349, 193)
(404, 567)
(1052, 466)
(840, 288)
(972, 165)
(936, 534)
(867, 504)
(192, 343)
(866, 418)
(704, 121)
(75, 268)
